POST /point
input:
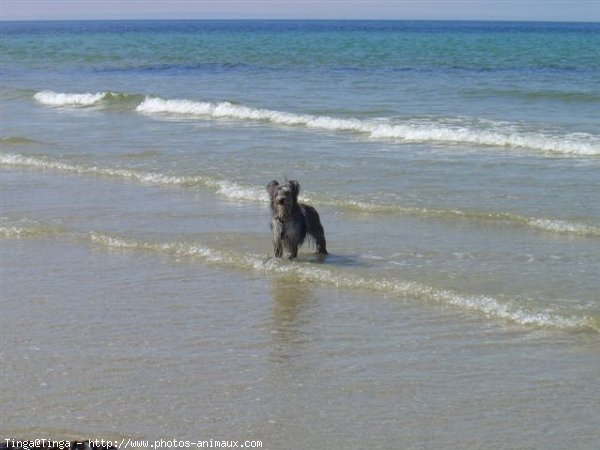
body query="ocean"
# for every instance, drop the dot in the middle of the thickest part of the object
(456, 170)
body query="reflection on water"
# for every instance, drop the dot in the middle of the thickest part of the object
(293, 307)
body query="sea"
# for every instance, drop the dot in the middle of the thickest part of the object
(456, 170)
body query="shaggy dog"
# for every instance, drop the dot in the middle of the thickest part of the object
(292, 221)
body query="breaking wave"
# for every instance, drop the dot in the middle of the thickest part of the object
(454, 131)
(256, 194)
(441, 130)
(60, 99)
(16, 160)
(564, 227)
(26, 229)
(328, 275)
(332, 276)
(110, 99)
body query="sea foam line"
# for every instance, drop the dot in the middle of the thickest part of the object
(487, 305)
(451, 131)
(15, 231)
(487, 133)
(228, 189)
(238, 192)
(74, 100)
(17, 160)
(66, 99)
(26, 229)
(563, 227)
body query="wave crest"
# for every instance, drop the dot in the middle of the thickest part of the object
(418, 130)
(239, 192)
(16, 160)
(51, 98)
(26, 229)
(341, 278)
(110, 100)
(460, 131)
(487, 305)
(564, 227)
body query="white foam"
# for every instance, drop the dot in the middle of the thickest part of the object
(239, 192)
(228, 189)
(329, 275)
(583, 144)
(564, 226)
(12, 231)
(455, 131)
(459, 131)
(235, 191)
(12, 159)
(51, 98)
(486, 305)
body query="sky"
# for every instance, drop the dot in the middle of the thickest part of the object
(544, 10)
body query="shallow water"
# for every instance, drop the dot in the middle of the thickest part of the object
(455, 168)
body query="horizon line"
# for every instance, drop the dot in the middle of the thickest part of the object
(296, 20)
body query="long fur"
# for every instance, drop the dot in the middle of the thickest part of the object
(292, 222)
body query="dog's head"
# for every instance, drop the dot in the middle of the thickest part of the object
(284, 197)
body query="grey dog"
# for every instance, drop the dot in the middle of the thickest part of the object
(292, 221)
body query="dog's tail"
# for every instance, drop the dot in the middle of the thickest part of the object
(314, 228)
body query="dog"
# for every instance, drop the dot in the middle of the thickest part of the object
(292, 221)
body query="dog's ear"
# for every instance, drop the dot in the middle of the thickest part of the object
(271, 187)
(295, 187)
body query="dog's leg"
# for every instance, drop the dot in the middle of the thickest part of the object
(278, 248)
(277, 236)
(320, 240)
(319, 236)
(293, 250)
(314, 228)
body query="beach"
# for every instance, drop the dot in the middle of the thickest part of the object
(455, 167)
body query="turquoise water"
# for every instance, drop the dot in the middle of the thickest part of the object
(456, 169)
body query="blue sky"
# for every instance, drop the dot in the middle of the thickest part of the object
(560, 10)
